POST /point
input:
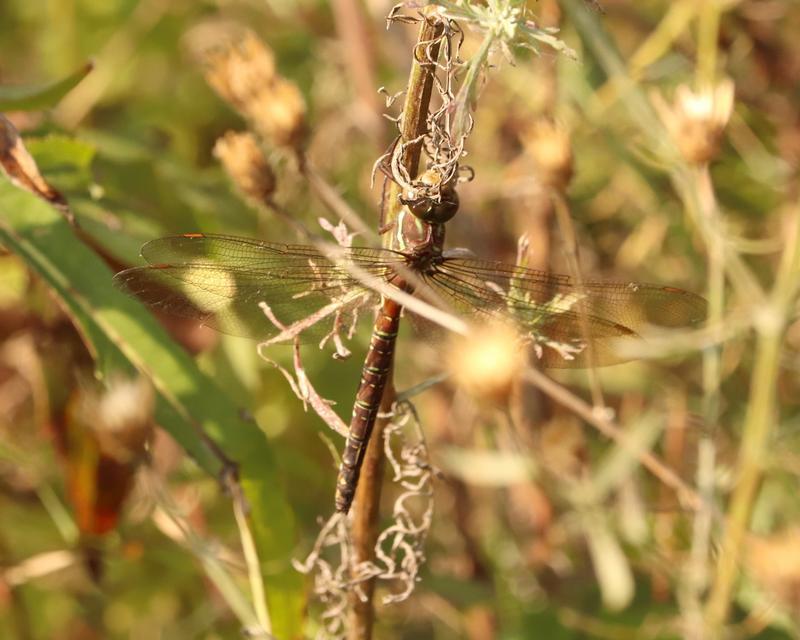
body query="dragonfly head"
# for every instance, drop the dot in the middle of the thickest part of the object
(430, 199)
(428, 210)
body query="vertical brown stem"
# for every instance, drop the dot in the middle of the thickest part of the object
(359, 55)
(366, 512)
(415, 110)
(534, 216)
(368, 494)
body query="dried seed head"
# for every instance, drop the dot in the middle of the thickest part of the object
(243, 73)
(549, 146)
(246, 165)
(237, 70)
(697, 120)
(486, 363)
(279, 114)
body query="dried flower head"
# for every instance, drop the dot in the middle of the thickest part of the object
(774, 562)
(237, 69)
(487, 362)
(246, 165)
(548, 144)
(697, 120)
(242, 72)
(279, 114)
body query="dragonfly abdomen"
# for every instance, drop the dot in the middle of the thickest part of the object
(374, 375)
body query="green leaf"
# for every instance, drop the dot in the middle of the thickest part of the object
(66, 161)
(122, 335)
(40, 96)
(60, 153)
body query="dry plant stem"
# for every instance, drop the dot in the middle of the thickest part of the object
(760, 420)
(571, 251)
(251, 560)
(415, 111)
(365, 508)
(299, 228)
(365, 519)
(359, 54)
(331, 198)
(697, 568)
(687, 496)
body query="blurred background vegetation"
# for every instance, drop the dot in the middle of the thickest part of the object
(578, 542)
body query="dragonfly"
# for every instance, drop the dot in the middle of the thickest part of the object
(225, 281)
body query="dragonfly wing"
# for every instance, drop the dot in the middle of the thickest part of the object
(550, 308)
(222, 282)
(634, 305)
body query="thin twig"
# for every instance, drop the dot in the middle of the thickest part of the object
(686, 495)
(571, 252)
(358, 52)
(760, 420)
(250, 553)
(697, 568)
(331, 199)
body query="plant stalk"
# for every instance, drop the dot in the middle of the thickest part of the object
(760, 422)
(367, 502)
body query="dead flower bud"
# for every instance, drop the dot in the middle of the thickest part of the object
(279, 114)
(246, 165)
(237, 70)
(549, 146)
(486, 363)
(697, 120)
(243, 74)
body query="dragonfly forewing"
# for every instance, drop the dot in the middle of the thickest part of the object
(222, 282)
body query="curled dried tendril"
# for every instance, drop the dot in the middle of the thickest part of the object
(399, 550)
(433, 200)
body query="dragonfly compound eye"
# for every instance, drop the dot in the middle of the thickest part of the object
(445, 209)
(428, 210)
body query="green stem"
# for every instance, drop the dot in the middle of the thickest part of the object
(697, 569)
(707, 36)
(760, 421)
